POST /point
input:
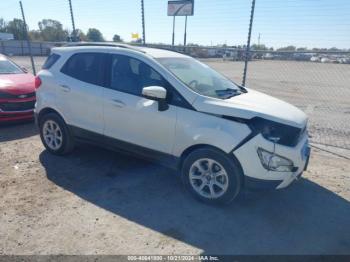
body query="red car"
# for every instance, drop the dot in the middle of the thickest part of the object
(17, 92)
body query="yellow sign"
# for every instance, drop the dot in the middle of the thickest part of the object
(135, 35)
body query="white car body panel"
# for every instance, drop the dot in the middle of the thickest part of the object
(253, 104)
(82, 103)
(252, 166)
(136, 120)
(196, 128)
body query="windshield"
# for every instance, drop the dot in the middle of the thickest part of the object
(200, 77)
(7, 67)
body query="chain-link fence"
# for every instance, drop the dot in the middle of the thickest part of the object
(299, 52)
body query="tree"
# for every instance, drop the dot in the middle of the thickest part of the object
(52, 30)
(117, 38)
(16, 27)
(3, 25)
(35, 35)
(81, 35)
(259, 47)
(287, 48)
(77, 36)
(334, 49)
(302, 49)
(94, 35)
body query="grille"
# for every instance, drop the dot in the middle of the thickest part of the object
(11, 96)
(19, 106)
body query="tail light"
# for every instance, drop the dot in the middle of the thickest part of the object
(37, 82)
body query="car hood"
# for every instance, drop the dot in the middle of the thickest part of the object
(17, 83)
(253, 104)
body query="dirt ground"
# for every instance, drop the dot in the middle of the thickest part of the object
(95, 201)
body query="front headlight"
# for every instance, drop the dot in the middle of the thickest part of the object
(274, 162)
(275, 132)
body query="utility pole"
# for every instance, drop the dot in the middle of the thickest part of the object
(259, 40)
(27, 37)
(143, 23)
(248, 43)
(73, 24)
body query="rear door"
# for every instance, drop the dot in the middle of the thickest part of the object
(80, 91)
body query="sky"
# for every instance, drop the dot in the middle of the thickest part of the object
(303, 23)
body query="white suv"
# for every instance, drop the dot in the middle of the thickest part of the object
(171, 108)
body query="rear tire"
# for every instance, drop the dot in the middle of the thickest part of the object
(55, 135)
(211, 176)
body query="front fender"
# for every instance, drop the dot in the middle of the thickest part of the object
(196, 128)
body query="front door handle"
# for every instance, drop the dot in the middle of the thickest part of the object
(65, 88)
(118, 103)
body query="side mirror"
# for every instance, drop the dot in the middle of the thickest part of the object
(156, 93)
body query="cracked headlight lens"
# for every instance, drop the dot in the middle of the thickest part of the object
(274, 162)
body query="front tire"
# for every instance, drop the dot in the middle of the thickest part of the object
(211, 176)
(55, 134)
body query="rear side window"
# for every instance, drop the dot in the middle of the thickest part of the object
(50, 61)
(86, 67)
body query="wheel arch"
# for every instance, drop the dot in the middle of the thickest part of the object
(46, 111)
(192, 148)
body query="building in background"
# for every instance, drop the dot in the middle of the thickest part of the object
(6, 36)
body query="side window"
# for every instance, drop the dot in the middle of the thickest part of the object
(50, 61)
(131, 75)
(86, 67)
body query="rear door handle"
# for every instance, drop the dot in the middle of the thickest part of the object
(118, 103)
(65, 88)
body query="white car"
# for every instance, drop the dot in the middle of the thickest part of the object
(170, 108)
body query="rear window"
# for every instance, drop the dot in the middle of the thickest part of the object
(87, 67)
(50, 61)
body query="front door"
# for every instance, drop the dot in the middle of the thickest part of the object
(131, 118)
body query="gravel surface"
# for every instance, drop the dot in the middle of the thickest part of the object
(95, 201)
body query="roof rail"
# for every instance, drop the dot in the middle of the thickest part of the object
(103, 44)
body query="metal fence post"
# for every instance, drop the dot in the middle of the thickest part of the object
(247, 52)
(73, 24)
(185, 34)
(2, 47)
(22, 51)
(143, 22)
(27, 36)
(173, 41)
